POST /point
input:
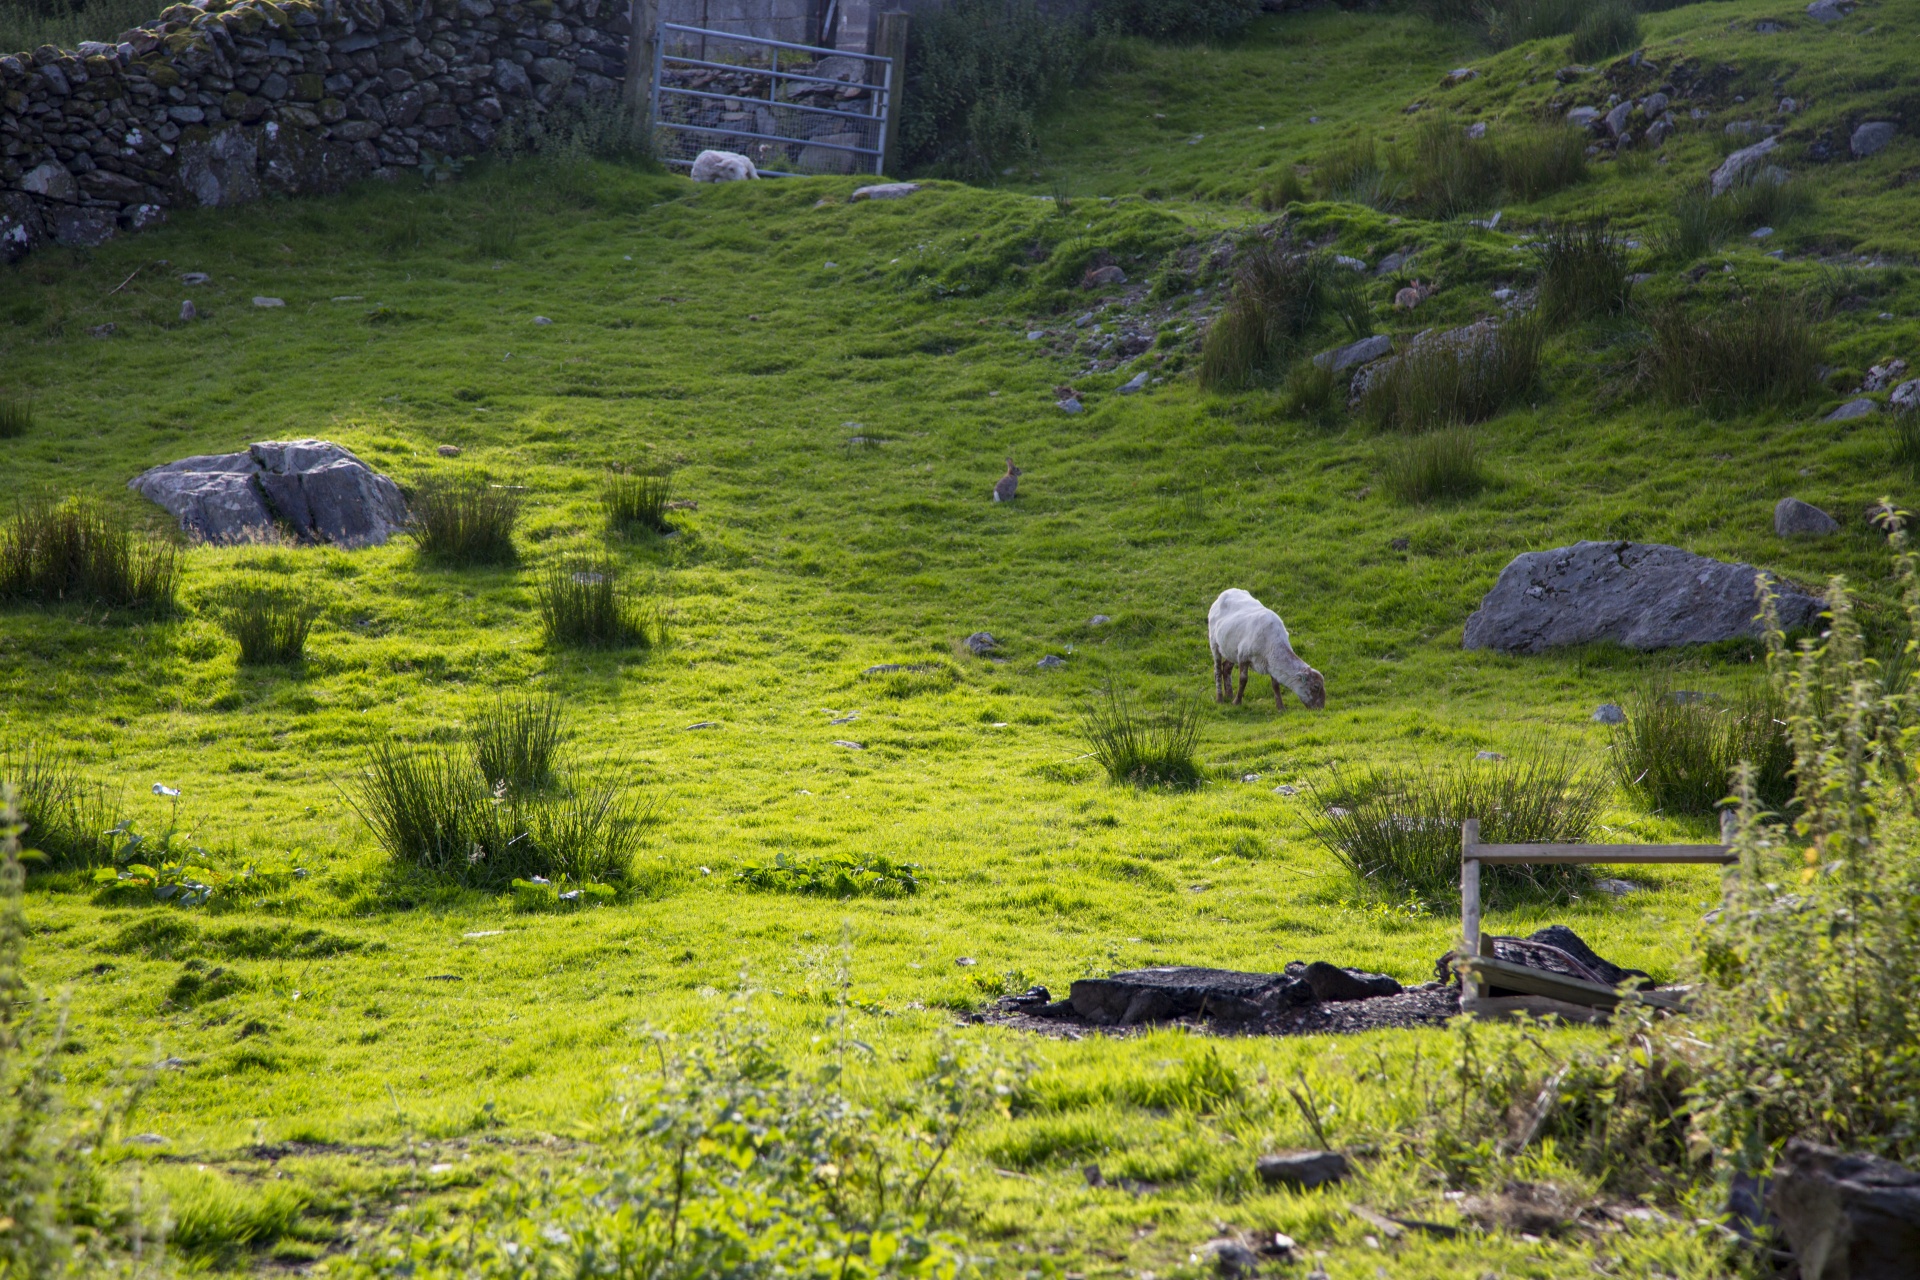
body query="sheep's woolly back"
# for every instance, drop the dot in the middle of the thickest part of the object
(1241, 629)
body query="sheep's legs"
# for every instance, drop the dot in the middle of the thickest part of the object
(1222, 679)
(1279, 703)
(1246, 668)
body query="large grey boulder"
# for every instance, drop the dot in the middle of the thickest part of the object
(1365, 351)
(1847, 1216)
(314, 489)
(1640, 595)
(1872, 137)
(1792, 517)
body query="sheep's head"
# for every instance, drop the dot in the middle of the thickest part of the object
(1311, 686)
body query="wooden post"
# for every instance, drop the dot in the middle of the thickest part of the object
(1729, 821)
(644, 17)
(890, 41)
(1469, 901)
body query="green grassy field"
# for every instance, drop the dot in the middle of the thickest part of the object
(744, 336)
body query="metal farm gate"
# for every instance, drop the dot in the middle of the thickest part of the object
(789, 108)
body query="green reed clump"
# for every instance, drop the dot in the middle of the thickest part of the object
(516, 741)
(1696, 225)
(1435, 466)
(1278, 297)
(588, 603)
(1399, 828)
(1454, 377)
(76, 551)
(1144, 750)
(1678, 754)
(634, 501)
(464, 522)
(66, 813)
(1583, 273)
(1758, 351)
(16, 416)
(1604, 29)
(269, 622)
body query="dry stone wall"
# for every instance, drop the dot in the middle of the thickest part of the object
(217, 103)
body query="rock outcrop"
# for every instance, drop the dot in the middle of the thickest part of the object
(311, 490)
(1640, 595)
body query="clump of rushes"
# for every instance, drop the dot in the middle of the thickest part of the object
(1278, 296)
(1604, 29)
(67, 815)
(1399, 829)
(75, 551)
(516, 741)
(1454, 377)
(1906, 441)
(1142, 750)
(1677, 754)
(465, 522)
(635, 501)
(16, 416)
(587, 603)
(1696, 224)
(269, 622)
(1435, 466)
(1755, 352)
(1583, 273)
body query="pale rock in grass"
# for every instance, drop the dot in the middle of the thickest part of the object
(722, 166)
(1882, 376)
(1583, 117)
(1071, 404)
(1735, 166)
(188, 311)
(1616, 119)
(1638, 595)
(1138, 382)
(1872, 138)
(1609, 713)
(1794, 518)
(1861, 408)
(886, 191)
(1303, 1169)
(1051, 662)
(1827, 12)
(52, 181)
(1906, 396)
(981, 643)
(314, 489)
(269, 302)
(1365, 351)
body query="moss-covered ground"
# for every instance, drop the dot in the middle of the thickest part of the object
(746, 336)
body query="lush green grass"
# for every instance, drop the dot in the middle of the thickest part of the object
(740, 336)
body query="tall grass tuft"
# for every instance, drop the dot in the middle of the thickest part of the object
(1767, 198)
(76, 551)
(1435, 466)
(516, 742)
(436, 811)
(1454, 377)
(587, 603)
(1539, 160)
(1278, 297)
(269, 622)
(1509, 22)
(1583, 273)
(1678, 755)
(1604, 29)
(1399, 829)
(1906, 441)
(465, 522)
(16, 416)
(1140, 750)
(634, 501)
(1696, 225)
(1314, 393)
(1448, 172)
(67, 814)
(1758, 351)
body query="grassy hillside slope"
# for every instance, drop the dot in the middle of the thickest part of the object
(839, 405)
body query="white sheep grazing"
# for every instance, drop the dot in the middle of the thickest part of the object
(1244, 633)
(722, 166)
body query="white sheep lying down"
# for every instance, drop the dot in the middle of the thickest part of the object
(1246, 634)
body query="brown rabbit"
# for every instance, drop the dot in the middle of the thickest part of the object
(1005, 487)
(1412, 296)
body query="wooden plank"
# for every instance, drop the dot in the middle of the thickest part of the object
(1469, 893)
(1565, 854)
(1539, 982)
(1536, 1006)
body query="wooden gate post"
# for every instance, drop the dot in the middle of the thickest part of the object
(890, 41)
(644, 18)
(1469, 902)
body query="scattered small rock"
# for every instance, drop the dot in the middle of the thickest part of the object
(1365, 351)
(1735, 166)
(1284, 790)
(1906, 396)
(1882, 376)
(103, 330)
(1229, 1257)
(1861, 408)
(704, 724)
(269, 302)
(1400, 544)
(1872, 137)
(966, 962)
(851, 746)
(1098, 620)
(1351, 264)
(1071, 404)
(448, 451)
(541, 320)
(1488, 755)
(1759, 233)
(1138, 382)
(885, 191)
(1827, 11)
(1459, 75)
(195, 277)
(149, 1139)
(188, 311)
(1609, 713)
(1303, 1169)
(1052, 662)
(1617, 888)
(981, 643)
(1792, 518)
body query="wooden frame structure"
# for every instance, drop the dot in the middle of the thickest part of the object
(1544, 991)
